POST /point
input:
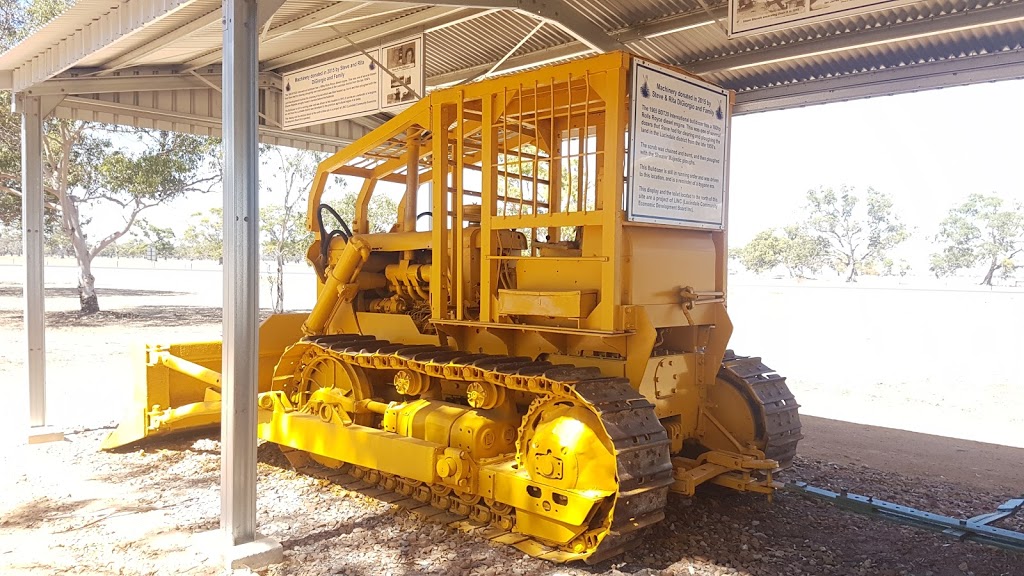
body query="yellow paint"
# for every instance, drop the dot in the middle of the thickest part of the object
(536, 261)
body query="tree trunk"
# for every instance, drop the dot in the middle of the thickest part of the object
(279, 285)
(88, 300)
(852, 276)
(851, 263)
(992, 267)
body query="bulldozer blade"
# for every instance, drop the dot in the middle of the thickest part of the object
(177, 386)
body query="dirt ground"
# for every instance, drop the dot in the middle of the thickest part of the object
(916, 420)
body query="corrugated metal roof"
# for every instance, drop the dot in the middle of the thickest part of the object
(154, 31)
(60, 27)
(614, 15)
(462, 43)
(492, 36)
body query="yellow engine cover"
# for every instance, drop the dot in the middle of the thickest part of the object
(481, 433)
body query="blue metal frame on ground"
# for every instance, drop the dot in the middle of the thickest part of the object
(977, 529)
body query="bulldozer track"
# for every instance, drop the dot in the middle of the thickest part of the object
(640, 446)
(640, 443)
(769, 396)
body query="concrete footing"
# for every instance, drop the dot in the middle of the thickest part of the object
(256, 555)
(44, 434)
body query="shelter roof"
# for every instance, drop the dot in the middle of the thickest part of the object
(116, 50)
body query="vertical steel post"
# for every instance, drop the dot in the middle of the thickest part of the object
(241, 273)
(32, 242)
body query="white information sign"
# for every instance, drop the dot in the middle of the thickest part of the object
(354, 86)
(756, 16)
(678, 149)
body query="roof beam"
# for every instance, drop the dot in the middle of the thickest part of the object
(556, 12)
(121, 22)
(432, 16)
(140, 83)
(130, 58)
(629, 35)
(310, 20)
(282, 31)
(959, 21)
(265, 10)
(887, 82)
(571, 20)
(328, 14)
(73, 104)
(529, 60)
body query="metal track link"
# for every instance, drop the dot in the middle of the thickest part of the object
(773, 399)
(641, 444)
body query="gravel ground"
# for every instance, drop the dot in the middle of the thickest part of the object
(69, 509)
(66, 508)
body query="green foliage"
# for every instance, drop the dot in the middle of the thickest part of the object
(889, 267)
(284, 234)
(981, 231)
(858, 234)
(85, 166)
(18, 19)
(10, 210)
(142, 170)
(10, 162)
(803, 252)
(763, 253)
(146, 236)
(10, 238)
(57, 243)
(204, 237)
(166, 169)
(382, 211)
(131, 246)
(282, 225)
(800, 252)
(39, 12)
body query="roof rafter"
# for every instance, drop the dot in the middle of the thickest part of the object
(431, 16)
(913, 78)
(556, 12)
(129, 59)
(119, 23)
(957, 21)
(265, 10)
(677, 23)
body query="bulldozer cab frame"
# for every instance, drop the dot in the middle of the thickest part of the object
(542, 152)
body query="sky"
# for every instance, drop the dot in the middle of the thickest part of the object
(928, 150)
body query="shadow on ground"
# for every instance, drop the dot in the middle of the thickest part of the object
(978, 464)
(717, 532)
(15, 291)
(38, 512)
(139, 316)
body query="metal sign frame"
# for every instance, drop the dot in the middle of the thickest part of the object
(797, 13)
(365, 99)
(722, 111)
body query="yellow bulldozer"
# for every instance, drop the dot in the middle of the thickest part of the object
(543, 349)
